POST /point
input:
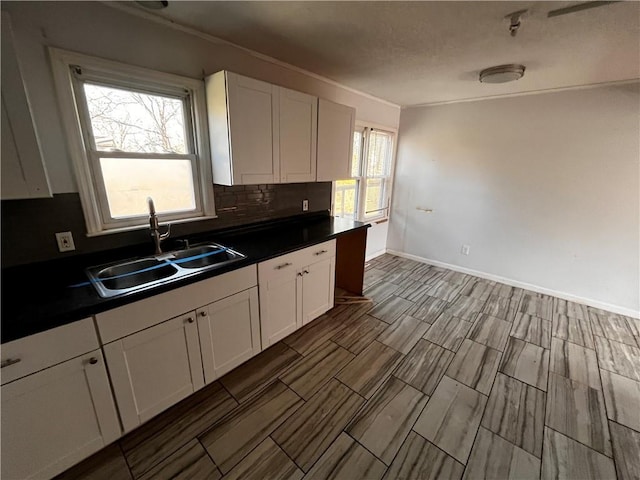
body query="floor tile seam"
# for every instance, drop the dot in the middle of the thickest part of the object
(624, 426)
(522, 381)
(166, 412)
(464, 465)
(211, 458)
(581, 443)
(233, 397)
(374, 455)
(574, 343)
(614, 340)
(285, 452)
(268, 435)
(617, 373)
(254, 397)
(126, 461)
(295, 363)
(604, 399)
(171, 452)
(494, 377)
(601, 389)
(516, 445)
(255, 393)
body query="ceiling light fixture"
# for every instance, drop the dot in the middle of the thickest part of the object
(502, 73)
(153, 5)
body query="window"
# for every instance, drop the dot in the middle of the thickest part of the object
(134, 134)
(367, 194)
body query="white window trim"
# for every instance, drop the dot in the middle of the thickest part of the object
(361, 180)
(62, 61)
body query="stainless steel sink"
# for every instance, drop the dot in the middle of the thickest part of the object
(138, 274)
(205, 256)
(135, 273)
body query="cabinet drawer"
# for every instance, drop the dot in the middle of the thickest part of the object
(128, 319)
(319, 252)
(280, 266)
(36, 352)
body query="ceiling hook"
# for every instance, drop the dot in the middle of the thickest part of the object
(515, 20)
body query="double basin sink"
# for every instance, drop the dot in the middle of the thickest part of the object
(132, 275)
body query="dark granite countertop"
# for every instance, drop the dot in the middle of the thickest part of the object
(39, 297)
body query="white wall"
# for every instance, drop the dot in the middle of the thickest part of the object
(95, 29)
(544, 188)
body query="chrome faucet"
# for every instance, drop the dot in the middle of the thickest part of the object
(155, 227)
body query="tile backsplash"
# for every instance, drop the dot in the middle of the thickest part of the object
(28, 226)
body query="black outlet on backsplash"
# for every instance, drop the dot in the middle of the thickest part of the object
(29, 226)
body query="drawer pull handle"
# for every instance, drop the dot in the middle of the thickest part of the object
(321, 252)
(284, 265)
(9, 361)
(93, 360)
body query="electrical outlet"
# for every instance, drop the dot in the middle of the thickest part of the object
(305, 205)
(466, 249)
(65, 241)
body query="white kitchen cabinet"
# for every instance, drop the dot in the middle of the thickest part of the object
(155, 368)
(336, 124)
(318, 283)
(295, 289)
(56, 417)
(260, 133)
(23, 173)
(229, 332)
(280, 307)
(298, 134)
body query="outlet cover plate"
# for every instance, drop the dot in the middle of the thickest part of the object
(65, 241)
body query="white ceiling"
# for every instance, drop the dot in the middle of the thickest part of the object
(413, 53)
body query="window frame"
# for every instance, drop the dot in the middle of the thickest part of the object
(361, 178)
(86, 156)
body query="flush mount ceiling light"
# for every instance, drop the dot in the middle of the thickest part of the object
(153, 5)
(502, 74)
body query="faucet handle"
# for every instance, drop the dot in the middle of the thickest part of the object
(167, 233)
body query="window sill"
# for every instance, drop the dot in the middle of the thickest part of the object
(146, 226)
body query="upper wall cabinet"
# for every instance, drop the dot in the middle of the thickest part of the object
(260, 133)
(243, 117)
(336, 124)
(23, 173)
(298, 132)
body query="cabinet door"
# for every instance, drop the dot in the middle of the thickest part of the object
(318, 281)
(280, 305)
(155, 368)
(298, 136)
(57, 417)
(23, 172)
(252, 109)
(336, 124)
(229, 333)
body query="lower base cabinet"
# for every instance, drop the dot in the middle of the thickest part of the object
(229, 331)
(56, 417)
(155, 368)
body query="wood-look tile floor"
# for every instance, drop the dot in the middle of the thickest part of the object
(443, 375)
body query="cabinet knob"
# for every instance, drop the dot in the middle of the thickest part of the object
(9, 361)
(93, 360)
(190, 320)
(203, 314)
(306, 272)
(300, 274)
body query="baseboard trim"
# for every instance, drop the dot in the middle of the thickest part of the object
(375, 254)
(528, 286)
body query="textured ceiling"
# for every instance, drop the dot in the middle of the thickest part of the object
(413, 53)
